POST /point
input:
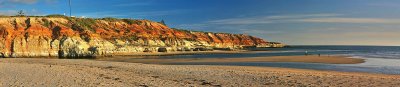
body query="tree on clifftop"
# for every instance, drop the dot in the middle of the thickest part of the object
(20, 13)
(163, 22)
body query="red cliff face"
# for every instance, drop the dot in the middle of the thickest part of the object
(75, 37)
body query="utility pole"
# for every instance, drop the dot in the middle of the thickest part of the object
(70, 8)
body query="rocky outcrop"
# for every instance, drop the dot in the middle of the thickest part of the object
(82, 37)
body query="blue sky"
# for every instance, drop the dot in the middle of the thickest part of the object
(296, 22)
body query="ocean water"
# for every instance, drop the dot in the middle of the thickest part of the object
(379, 59)
(385, 52)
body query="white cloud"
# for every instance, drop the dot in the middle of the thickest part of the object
(301, 16)
(157, 13)
(8, 12)
(268, 19)
(351, 20)
(130, 14)
(192, 26)
(32, 12)
(134, 4)
(384, 4)
(24, 1)
(4, 3)
(99, 14)
(307, 18)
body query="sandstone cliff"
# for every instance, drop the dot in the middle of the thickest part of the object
(81, 37)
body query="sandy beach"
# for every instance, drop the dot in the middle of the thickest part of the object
(65, 72)
(179, 53)
(199, 43)
(304, 59)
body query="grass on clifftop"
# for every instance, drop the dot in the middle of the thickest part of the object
(82, 24)
(88, 23)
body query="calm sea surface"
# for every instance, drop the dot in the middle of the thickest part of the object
(380, 59)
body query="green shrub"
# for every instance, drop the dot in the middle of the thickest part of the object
(110, 19)
(83, 23)
(135, 38)
(46, 23)
(131, 21)
(20, 13)
(181, 30)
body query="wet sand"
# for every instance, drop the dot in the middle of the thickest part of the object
(64, 72)
(178, 53)
(303, 59)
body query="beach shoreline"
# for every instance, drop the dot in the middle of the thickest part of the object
(301, 59)
(83, 72)
(141, 54)
(176, 53)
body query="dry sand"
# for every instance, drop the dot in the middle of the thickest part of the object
(304, 59)
(77, 73)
